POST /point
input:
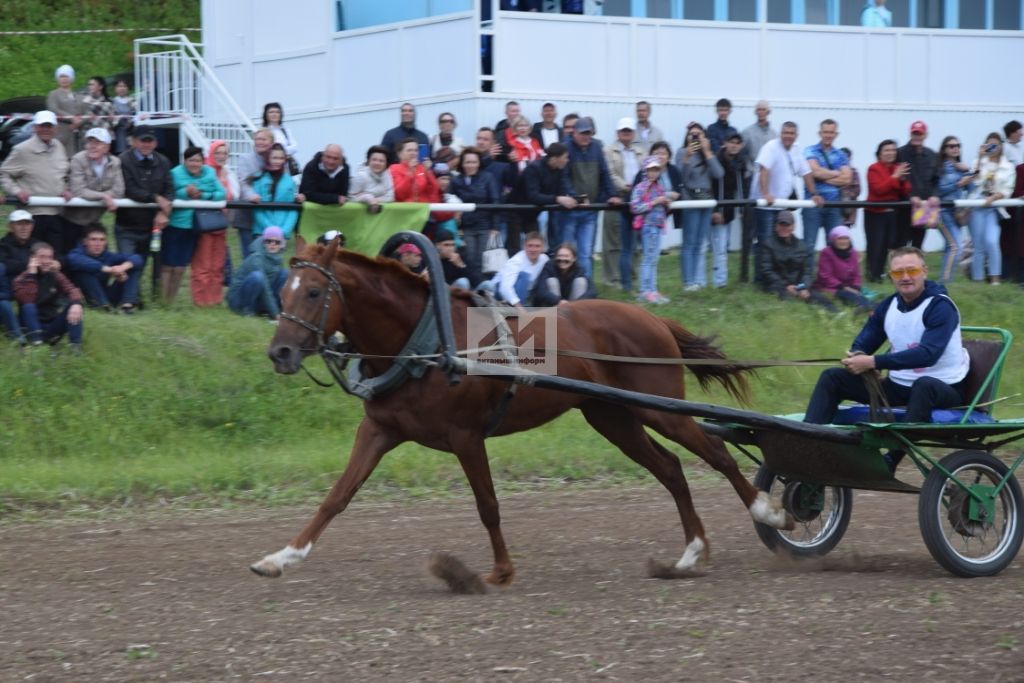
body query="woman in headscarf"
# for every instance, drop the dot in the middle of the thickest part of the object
(69, 107)
(209, 258)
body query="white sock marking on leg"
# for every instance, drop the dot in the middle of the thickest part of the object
(691, 556)
(763, 511)
(287, 556)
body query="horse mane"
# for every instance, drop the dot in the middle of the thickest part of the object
(313, 252)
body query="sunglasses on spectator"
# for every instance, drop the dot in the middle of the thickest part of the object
(273, 242)
(447, 120)
(913, 271)
(953, 144)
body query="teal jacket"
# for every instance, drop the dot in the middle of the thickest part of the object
(269, 265)
(282, 218)
(207, 183)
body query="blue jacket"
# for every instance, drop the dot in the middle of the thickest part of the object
(207, 183)
(941, 319)
(80, 261)
(284, 192)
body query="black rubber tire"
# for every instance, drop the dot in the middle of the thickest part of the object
(932, 513)
(820, 544)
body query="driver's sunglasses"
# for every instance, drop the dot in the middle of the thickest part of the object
(913, 271)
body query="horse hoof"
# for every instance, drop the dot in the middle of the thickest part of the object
(499, 579)
(266, 569)
(665, 570)
(789, 523)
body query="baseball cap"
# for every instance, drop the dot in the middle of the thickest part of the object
(43, 117)
(785, 217)
(144, 133)
(101, 134)
(918, 127)
(408, 248)
(20, 215)
(584, 124)
(625, 123)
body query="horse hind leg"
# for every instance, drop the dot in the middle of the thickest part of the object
(627, 433)
(371, 444)
(685, 431)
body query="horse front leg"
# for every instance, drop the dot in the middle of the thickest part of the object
(472, 455)
(372, 442)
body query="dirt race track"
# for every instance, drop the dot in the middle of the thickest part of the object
(167, 596)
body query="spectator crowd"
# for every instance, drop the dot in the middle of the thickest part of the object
(56, 260)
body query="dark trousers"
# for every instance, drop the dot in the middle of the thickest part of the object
(60, 234)
(50, 330)
(838, 384)
(880, 234)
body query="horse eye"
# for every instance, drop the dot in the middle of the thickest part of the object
(313, 293)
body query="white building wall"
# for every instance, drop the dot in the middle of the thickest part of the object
(346, 87)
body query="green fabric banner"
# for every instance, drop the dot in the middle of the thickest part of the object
(364, 232)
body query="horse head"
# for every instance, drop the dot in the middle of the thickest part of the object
(311, 308)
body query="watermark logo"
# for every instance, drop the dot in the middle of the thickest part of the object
(509, 337)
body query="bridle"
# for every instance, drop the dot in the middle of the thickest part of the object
(333, 287)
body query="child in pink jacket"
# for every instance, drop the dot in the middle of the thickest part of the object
(839, 270)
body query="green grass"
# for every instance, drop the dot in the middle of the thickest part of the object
(28, 62)
(182, 403)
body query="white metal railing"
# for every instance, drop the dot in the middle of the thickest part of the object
(172, 77)
(467, 207)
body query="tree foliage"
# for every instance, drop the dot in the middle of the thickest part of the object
(27, 62)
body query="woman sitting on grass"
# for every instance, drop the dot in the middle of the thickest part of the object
(562, 280)
(256, 286)
(839, 270)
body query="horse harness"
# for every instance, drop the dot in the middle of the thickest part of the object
(411, 362)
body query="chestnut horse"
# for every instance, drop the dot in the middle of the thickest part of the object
(377, 303)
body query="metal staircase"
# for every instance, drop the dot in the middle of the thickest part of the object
(174, 81)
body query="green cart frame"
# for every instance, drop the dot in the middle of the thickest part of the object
(971, 510)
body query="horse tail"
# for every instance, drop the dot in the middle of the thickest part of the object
(730, 375)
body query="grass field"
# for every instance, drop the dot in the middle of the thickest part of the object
(182, 403)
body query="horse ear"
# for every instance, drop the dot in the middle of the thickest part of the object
(329, 252)
(300, 244)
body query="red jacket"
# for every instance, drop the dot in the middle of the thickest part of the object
(419, 186)
(883, 187)
(525, 152)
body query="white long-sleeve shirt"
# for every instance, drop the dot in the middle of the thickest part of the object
(509, 273)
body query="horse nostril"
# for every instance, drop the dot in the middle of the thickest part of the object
(281, 353)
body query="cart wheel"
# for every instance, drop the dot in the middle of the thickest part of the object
(822, 514)
(967, 537)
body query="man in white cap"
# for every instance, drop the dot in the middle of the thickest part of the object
(69, 105)
(95, 175)
(38, 167)
(624, 158)
(16, 244)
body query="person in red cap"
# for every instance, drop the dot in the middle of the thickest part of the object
(410, 256)
(923, 163)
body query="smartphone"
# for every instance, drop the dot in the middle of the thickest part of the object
(991, 147)
(424, 152)
(582, 198)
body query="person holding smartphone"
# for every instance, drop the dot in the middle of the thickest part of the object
(699, 165)
(955, 178)
(994, 180)
(412, 178)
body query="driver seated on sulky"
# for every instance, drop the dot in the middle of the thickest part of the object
(927, 362)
